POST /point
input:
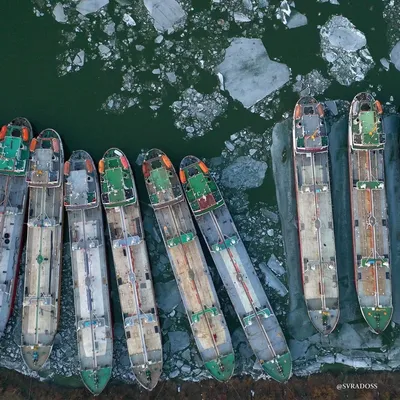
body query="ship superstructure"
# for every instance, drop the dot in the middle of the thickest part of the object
(315, 216)
(369, 211)
(14, 158)
(40, 311)
(89, 271)
(132, 267)
(237, 272)
(189, 266)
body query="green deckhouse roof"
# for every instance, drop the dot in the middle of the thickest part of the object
(14, 152)
(201, 190)
(378, 319)
(221, 369)
(117, 184)
(96, 381)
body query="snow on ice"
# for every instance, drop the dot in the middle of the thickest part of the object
(313, 82)
(59, 14)
(195, 112)
(395, 56)
(244, 173)
(90, 6)
(167, 15)
(249, 74)
(345, 49)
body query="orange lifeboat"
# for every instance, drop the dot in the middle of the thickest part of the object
(32, 146)
(203, 167)
(56, 145)
(66, 168)
(182, 176)
(101, 166)
(89, 166)
(297, 111)
(25, 134)
(320, 110)
(379, 107)
(146, 169)
(124, 162)
(3, 132)
(166, 161)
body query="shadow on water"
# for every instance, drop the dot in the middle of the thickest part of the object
(391, 126)
(298, 322)
(339, 161)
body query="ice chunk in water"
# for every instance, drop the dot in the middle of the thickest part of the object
(168, 296)
(59, 14)
(129, 20)
(166, 14)
(79, 59)
(296, 20)
(395, 55)
(314, 81)
(273, 282)
(179, 341)
(244, 173)
(344, 47)
(90, 6)
(275, 265)
(249, 74)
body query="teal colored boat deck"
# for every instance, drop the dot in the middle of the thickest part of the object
(116, 183)
(14, 154)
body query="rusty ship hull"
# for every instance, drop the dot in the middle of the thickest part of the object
(315, 215)
(191, 272)
(369, 211)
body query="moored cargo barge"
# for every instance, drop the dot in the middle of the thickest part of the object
(315, 216)
(15, 138)
(41, 303)
(369, 211)
(237, 272)
(132, 267)
(189, 266)
(89, 271)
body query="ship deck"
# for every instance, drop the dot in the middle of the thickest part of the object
(43, 268)
(317, 241)
(194, 282)
(135, 288)
(13, 199)
(91, 291)
(371, 229)
(263, 332)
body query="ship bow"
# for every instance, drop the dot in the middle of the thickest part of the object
(148, 377)
(377, 318)
(96, 380)
(222, 369)
(280, 368)
(35, 357)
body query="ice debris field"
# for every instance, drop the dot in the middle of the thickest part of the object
(157, 46)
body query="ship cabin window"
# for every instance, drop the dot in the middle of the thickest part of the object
(384, 222)
(128, 335)
(359, 275)
(387, 275)
(356, 222)
(359, 257)
(147, 276)
(156, 329)
(119, 281)
(124, 251)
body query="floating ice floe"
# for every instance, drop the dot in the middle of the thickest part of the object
(283, 11)
(195, 112)
(313, 82)
(335, 2)
(59, 14)
(167, 15)
(167, 295)
(395, 56)
(244, 173)
(178, 341)
(249, 74)
(129, 20)
(90, 6)
(272, 281)
(385, 63)
(275, 265)
(296, 20)
(345, 49)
